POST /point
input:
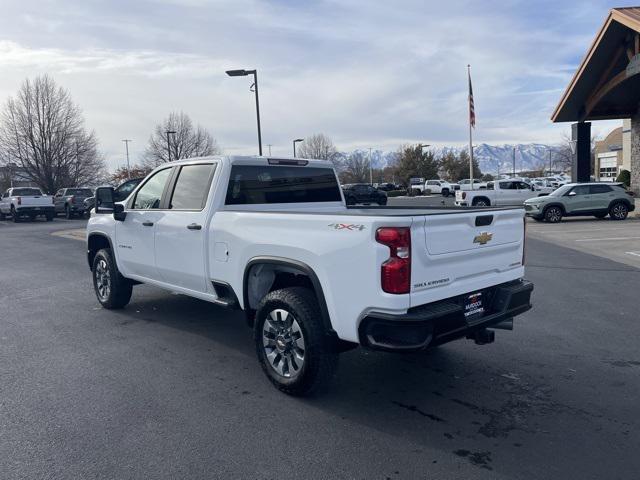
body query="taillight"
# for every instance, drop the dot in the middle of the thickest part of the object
(464, 195)
(396, 270)
(72, 199)
(19, 199)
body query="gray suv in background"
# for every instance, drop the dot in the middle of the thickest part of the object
(596, 199)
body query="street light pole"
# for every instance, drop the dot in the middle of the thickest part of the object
(514, 162)
(126, 144)
(244, 73)
(297, 140)
(169, 132)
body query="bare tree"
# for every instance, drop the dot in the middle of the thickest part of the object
(355, 167)
(42, 132)
(320, 147)
(188, 141)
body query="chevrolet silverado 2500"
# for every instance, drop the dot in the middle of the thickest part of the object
(274, 238)
(498, 194)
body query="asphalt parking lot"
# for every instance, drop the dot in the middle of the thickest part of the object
(170, 387)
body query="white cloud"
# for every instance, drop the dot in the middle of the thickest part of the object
(365, 73)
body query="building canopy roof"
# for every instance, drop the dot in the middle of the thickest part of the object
(607, 84)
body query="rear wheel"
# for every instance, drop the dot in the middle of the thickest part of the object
(481, 203)
(293, 347)
(445, 192)
(618, 211)
(14, 215)
(553, 214)
(112, 289)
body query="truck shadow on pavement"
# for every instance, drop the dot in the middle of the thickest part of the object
(459, 398)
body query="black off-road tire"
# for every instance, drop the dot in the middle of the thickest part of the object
(553, 214)
(445, 192)
(2, 216)
(618, 211)
(14, 215)
(481, 202)
(320, 349)
(120, 288)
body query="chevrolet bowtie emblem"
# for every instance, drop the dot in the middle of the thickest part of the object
(483, 238)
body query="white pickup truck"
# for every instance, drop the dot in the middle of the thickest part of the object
(498, 194)
(274, 238)
(20, 202)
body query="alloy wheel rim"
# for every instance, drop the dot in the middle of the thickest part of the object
(283, 343)
(103, 279)
(554, 214)
(619, 211)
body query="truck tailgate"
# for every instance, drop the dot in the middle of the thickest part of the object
(465, 251)
(35, 201)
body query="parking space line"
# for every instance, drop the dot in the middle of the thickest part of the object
(610, 239)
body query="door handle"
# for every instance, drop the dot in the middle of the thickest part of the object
(194, 226)
(147, 224)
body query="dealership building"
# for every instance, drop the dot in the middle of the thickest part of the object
(606, 86)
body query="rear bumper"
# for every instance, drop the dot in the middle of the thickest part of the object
(35, 210)
(444, 321)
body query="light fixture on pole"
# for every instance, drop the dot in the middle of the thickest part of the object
(244, 73)
(169, 132)
(297, 140)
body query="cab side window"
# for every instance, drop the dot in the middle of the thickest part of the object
(596, 189)
(507, 186)
(150, 195)
(192, 187)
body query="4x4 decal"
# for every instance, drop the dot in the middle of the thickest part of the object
(346, 226)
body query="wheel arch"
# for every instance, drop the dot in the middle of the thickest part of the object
(481, 197)
(619, 200)
(276, 265)
(95, 242)
(554, 204)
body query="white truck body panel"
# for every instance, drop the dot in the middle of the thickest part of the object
(337, 243)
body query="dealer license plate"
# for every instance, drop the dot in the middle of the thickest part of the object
(473, 306)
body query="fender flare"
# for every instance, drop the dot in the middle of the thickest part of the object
(304, 269)
(99, 234)
(619, 200)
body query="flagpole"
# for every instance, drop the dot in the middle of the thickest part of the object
(470, 132)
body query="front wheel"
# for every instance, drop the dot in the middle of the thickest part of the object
(293, 347)
(112, 289)
(618, 211)
(445, 192)
(553, 214)
(14, 215)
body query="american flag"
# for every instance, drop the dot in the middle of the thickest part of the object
(472, 110)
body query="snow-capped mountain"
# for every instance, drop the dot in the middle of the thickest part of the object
(491, 158)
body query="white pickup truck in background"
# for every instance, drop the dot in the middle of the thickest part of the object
(274, 238)
(30, 202)
(498, 194)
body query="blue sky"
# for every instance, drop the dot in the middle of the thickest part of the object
(368, 74)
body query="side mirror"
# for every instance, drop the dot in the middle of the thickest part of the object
(572, 193)
(104, 200)
(118, 212)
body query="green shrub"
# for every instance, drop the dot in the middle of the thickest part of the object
(625, 177)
